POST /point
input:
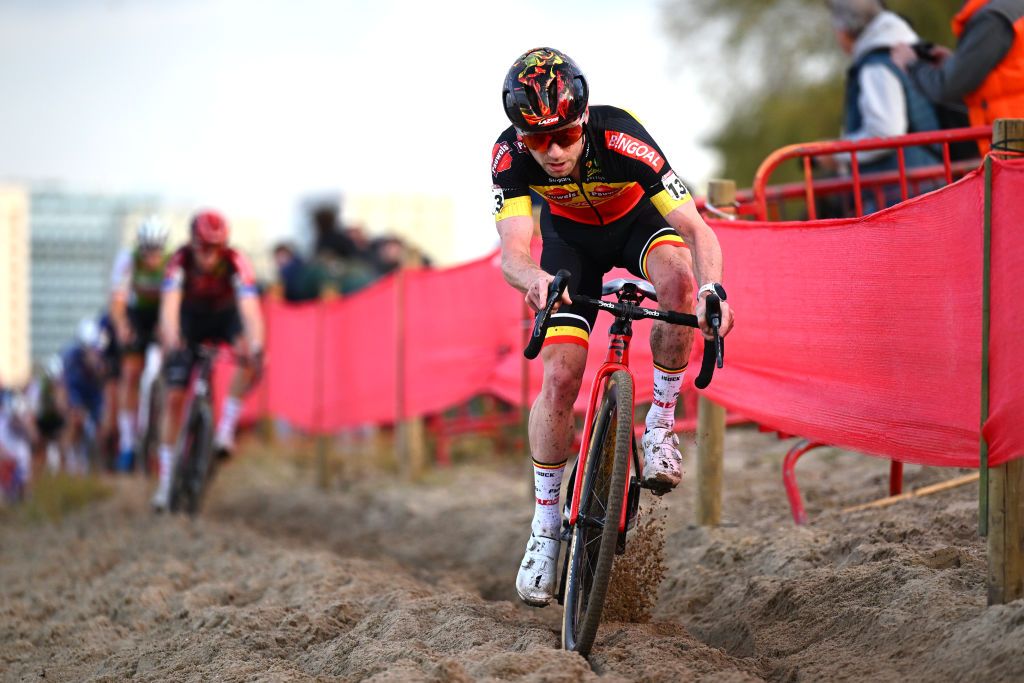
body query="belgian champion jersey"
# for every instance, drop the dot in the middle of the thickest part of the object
(620, 165)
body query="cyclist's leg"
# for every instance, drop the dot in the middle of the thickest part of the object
(106, 423)
(176, 375)
(231, 332)
(564, 356)
(142, 323)
(151, 368)
(657, 253)
(131, 371)
(177, 371)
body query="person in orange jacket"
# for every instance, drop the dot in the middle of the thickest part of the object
(986, 71)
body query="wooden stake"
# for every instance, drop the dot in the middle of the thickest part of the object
(917, 493)
(711, 417)
(1005, 502)
(710, 446)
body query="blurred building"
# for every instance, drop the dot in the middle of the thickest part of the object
(423, 221)
(14, 285)
(74, 239)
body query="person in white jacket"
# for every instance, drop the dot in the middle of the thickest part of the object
(881, 101)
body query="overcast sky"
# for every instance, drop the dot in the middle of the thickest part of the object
(248, 105)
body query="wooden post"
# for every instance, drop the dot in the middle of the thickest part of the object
(410, 437)
(1006, 482)
(710, 416)
(322, 474)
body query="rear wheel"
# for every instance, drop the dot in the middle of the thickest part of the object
(595, 535)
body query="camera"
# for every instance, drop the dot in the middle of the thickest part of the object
(923, 50)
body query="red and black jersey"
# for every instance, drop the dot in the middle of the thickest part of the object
(218, 289)
(620, 165)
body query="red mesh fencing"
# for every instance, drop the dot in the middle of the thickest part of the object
(864, 333)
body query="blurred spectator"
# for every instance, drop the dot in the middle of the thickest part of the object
(301, 280)
(331, 241)
(987, 69)
(388, 254)
(17, 432)
(880, 100)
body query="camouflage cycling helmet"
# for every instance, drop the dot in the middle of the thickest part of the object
(544, 90)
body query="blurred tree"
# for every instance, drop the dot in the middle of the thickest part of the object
(780, 71)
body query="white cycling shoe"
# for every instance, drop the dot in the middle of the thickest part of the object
(662, 460)
(162, 498)
(223, 443)
(535, 582)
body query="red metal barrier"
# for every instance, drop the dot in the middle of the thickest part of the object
(762, 196)
(804, 446)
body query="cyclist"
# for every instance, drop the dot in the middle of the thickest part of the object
(84, 373)
(17, 434)
(106, 434)
(48, 399)
(134, 309)
(611, 199)
(209, 294)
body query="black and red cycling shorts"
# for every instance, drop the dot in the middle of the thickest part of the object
(200, 325)
(589, 251)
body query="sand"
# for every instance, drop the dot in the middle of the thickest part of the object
(387, 581)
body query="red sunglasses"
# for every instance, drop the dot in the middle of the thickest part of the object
(563, 137)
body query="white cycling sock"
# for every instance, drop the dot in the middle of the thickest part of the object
(229, 417)
(126, 427)
(53, 457)
(667, 382)
(547, 487)
(166, 464)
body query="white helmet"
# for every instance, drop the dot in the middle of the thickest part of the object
(89, 333)
(54, 366)
(152, 234)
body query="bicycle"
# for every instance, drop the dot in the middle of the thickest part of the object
(151, 396)
(195, 461)
(599, 517)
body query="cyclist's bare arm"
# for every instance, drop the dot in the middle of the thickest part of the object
(170, 318)
(120, 286)
(707, 258)
(252, 321)
(518, 266)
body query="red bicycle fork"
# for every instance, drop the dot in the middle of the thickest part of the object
(616, 359)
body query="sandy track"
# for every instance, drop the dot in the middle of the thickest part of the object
(394, 582)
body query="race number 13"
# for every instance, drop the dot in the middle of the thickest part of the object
(674, 186)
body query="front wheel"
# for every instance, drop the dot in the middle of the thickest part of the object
(195, 456)
(595, 535)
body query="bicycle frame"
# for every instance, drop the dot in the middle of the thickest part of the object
(617, 358)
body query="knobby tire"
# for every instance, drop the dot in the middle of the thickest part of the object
(592, 550)
(202, 458)
(193, 462)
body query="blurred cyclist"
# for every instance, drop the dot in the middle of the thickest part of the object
(49, 403)
(209, 295)
(134, 310)
(17, 434)
(611, 199)
(84, 374)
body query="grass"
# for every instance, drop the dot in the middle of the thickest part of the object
(53, 497)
